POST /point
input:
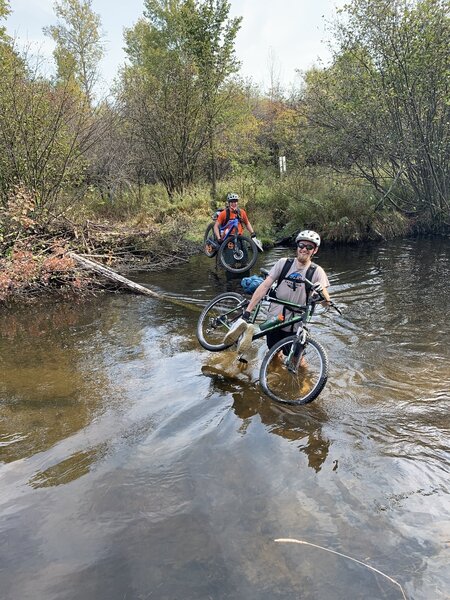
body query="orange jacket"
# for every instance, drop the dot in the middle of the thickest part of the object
(222, 218)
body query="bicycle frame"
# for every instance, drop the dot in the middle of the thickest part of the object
(305, 316)
(229, 228)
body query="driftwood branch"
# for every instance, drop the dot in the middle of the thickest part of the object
(127, 283)
(112, 275)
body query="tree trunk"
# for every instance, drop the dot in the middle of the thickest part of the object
(112, 275)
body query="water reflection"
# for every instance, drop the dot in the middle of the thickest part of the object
(136, 464)
(302, 426)
(69, 469)
(51, 385)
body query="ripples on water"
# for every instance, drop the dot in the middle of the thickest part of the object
(137, 465)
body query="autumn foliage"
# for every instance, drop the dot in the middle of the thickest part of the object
(31, 260)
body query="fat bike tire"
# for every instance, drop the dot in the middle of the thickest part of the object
(296, 385)
(238, 254)
(217, 318)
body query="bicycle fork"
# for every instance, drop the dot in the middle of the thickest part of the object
(238, 253)
(296, 353)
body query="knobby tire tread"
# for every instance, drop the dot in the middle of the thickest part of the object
(209, 234)
(248, 265)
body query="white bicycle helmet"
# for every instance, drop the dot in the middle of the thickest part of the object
(232, 197)
(310, 236)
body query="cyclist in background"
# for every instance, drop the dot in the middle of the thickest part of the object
(233, 212)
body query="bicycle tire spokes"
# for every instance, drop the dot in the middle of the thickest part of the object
(293, 373)
(217, 318)
(238, 254)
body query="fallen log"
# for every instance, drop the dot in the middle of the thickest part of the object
(127, 283)
(112, 275)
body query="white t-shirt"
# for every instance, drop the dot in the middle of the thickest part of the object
(287, 290)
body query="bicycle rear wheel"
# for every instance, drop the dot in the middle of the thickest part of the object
(294, 380)
(210, 245)
(238, 254)
(217, 318)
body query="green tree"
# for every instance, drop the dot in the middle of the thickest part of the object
(4, 12)
(210, 39)
(174, 91)
(382, 109)
(46, 131)
(78, 41)
(279, 120)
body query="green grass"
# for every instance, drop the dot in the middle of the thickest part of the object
(339, 208)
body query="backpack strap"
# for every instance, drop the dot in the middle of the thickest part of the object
(309, 275)
(284, 271)
(227, 214)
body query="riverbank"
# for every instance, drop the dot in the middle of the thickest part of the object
(157, 233)
(36, 258)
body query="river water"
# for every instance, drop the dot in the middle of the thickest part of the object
(136, 465)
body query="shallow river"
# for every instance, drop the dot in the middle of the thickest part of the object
(136, 465)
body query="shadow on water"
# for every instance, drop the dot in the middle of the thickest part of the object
(49, 387)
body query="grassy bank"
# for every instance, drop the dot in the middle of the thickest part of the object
(145, 229)
(339, 208)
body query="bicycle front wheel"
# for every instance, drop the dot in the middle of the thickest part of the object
(217, 318)
(238, 254)
(295, 379)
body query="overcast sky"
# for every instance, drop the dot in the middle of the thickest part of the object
(289, 34)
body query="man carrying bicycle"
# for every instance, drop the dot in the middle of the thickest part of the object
(233, 212)
(288, 288)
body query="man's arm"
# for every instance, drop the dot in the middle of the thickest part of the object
(320, 283)
(327, 296)
(258, 294)
(250, 228)
(318, 287)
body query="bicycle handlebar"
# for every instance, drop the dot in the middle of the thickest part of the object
(336, 307)
(321, 298)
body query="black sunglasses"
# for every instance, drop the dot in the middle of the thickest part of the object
(309, 247)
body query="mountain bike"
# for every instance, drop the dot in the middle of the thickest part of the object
(236, 253)
(295, 369)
